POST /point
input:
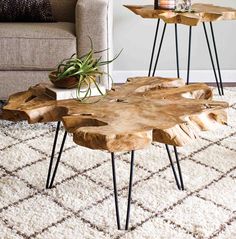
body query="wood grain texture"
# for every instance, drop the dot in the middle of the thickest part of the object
(203, 13)
(130, 117)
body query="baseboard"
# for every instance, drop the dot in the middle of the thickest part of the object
(228, 76)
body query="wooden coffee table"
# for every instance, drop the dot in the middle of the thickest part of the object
(129, 118)
(203, 14)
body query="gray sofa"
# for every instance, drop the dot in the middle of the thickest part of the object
(30, 50)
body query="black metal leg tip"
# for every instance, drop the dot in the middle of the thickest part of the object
(49, 187)
(181, 188)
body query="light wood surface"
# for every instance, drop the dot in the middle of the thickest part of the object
(130, 117)
(203, 13)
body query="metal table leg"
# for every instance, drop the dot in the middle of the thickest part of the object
(116, 194)
(217, 58)
(115, 190)
(181, 184)
(154, 47)
(211, 57)
(189, 53)
(130, 190)
(178, 178)
(159, 49)
(177, 49)
(50, 180)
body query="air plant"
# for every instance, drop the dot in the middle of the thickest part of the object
(86, 71)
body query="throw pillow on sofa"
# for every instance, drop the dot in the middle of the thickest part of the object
(25, 11)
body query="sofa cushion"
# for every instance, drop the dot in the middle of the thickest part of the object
(35, 46)
(63, 10)
(25, 11)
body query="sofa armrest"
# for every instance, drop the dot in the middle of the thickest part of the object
(94, 19)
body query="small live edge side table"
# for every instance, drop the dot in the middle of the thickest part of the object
(129, 118)
(202, 13)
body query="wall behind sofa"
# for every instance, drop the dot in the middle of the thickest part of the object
(135, 35)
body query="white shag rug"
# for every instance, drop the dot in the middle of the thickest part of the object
(82, 205)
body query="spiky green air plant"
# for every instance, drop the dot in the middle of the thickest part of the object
(87, 69)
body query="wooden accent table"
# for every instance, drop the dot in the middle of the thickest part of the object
(203, 13)
(130, 117)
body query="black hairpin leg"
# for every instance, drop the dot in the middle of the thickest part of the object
(177, 49)
(130, 190)
(160, 46)
(217, 59)
(179, 185)
(154, 47)
(179, 182)
(189, 53)
(50, 180)
(211, 57)
(115, 190)
(129, 193)
(159, 50)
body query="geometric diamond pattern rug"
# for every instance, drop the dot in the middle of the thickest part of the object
(81, 205)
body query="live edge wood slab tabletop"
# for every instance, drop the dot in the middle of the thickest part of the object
(130, 117)
(201, 13)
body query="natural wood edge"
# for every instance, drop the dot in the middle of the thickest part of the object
(203, 13)
(143, 110)
(182, 134)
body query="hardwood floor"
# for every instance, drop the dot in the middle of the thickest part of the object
(231, 84)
